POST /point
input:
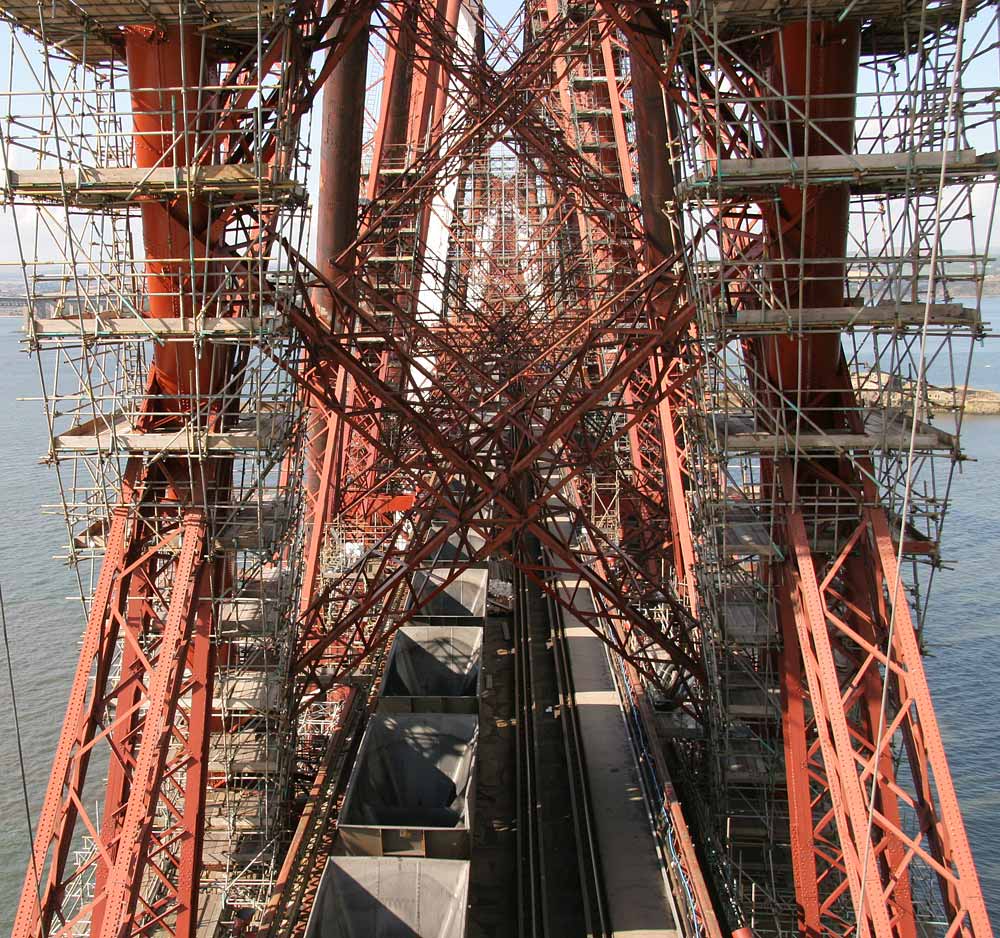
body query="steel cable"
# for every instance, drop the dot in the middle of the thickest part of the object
(20, 748)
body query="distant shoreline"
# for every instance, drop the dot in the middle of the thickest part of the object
(978, 401)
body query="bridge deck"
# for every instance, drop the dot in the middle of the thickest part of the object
(636, 889)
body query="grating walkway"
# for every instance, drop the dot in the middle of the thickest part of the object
(635, 887)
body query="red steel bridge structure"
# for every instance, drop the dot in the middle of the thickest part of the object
(701, 278)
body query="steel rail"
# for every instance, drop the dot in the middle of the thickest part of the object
(544, 685)
(588, 852)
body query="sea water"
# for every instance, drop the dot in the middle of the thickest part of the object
(45, 620)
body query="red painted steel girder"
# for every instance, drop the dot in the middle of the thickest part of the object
(152, 613)
(436, 427)
(846, 622)
(351, 618)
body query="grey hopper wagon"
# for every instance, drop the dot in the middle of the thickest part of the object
(388, 897)
(445, 601)
(411, 791)
(433, 668)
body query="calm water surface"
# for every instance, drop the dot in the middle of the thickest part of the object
(963, 630)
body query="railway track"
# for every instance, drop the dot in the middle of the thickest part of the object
(560, 885)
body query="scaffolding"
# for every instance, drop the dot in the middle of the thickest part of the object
(675, 291)
(232, 422)
(917, 169)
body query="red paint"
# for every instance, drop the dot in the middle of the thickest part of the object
(816, 67)
(165, 72)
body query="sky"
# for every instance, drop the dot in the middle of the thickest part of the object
(23, 69)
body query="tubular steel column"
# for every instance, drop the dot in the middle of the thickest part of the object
(817, 68)
(661, 245)
(343, 118)
(165, 71)
(809, 62)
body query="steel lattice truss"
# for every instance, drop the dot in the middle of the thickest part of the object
(605, 277)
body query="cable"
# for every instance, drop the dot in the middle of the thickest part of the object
(20, 750)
